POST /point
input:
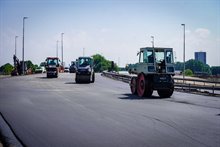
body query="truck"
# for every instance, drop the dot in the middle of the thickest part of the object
(154, 71)
(52, 65)
(84, 70)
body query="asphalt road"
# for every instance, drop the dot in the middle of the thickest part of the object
(60, 113)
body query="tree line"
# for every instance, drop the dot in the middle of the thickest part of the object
(7, 68)
(194, 67)
(100, 64)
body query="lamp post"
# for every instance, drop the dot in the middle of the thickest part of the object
(57, 49)
(62, 47)
(183, 52)
(23, 46)
(152, 41)
(16, 45)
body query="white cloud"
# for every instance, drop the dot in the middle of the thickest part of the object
(202, 33)
(199, 39)
(105, 30)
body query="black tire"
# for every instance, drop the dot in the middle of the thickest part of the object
(149, 89)
(165, 93)
(76, 79)
(56, 76)
(133, 85)
(149, 92)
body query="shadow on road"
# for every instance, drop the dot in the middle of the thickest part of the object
(41, 77)
(77, 83)
(136, 97)
(46, 78)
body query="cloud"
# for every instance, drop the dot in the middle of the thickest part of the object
(199, 39)
(202, 33)
(105, 30)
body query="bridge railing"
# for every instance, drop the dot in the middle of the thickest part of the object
(186, 84)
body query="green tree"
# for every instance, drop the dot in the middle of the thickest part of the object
(102, 64)
(178, 66)
(197, 66)
(188, 72)
(215, 70)
(31, 66)
(7, 68)
(206, 68)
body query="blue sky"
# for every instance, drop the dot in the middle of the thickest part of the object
(114, 28)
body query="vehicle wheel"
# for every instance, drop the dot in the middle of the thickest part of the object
(76, 79)
(141, 85)
(93, 78)
(48, 76)
(144, 87)
(165, 93)
(133, 85)
(149, 89)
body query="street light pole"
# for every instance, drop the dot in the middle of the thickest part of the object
(57, 48)
(62, 48)
(16, 45)
(183, 52)
(23, 46)
(152, 41)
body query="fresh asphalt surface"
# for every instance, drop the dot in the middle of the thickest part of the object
(60, 113)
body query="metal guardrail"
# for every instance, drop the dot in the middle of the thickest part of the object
(189, 84)
(116, 76)
(205, 82)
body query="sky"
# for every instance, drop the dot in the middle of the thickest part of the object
(116, 29)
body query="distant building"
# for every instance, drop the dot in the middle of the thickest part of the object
(200, 56)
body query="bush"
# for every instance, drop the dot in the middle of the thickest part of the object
(215, 70)
(188, 72)
(7, 69)
(102, 64)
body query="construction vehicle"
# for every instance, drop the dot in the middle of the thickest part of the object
(18, 67)
(72, 68)
(52, 67)
(154, 72)
(84, 70)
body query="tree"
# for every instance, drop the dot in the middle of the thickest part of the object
(102, 64)
(197, 66)
(215, 70)
(7, 68)
(179, 66)
(206, 68)
(188, 72)
(194, 65)
(31, 66)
